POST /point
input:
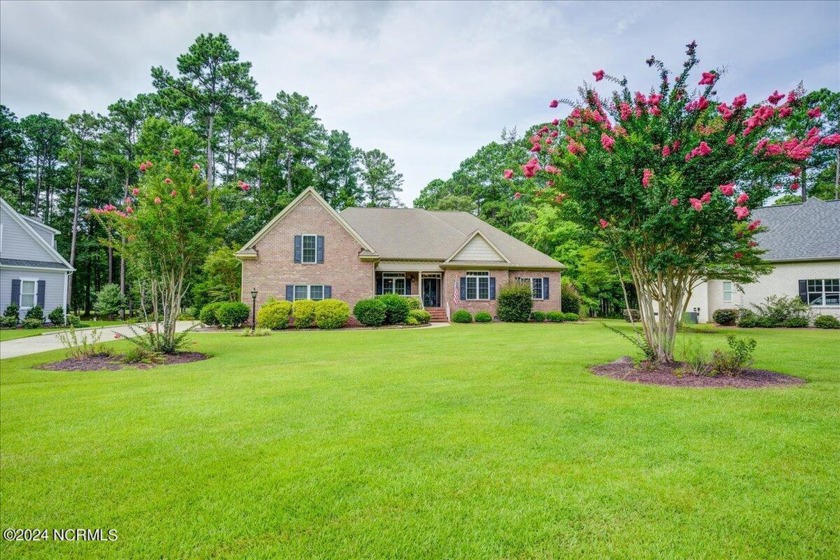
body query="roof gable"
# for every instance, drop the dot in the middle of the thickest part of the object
(477, 248)
(46, 250)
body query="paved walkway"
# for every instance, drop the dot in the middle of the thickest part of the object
(49, 341)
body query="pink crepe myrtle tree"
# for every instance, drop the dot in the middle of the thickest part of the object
(170, 222)
(667, 179)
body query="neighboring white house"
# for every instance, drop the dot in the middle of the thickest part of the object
(32, 272)
(803, 244)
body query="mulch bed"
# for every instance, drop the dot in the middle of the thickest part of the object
(624, 370)
(114, 363)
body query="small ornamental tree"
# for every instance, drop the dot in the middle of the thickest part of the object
(668, 179)
(170, 222)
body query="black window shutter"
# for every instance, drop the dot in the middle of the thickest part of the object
(320, 247)
(327, 292)
(290, 292)
(492, 288)
(803, 290)
(298, 248)
(16, 291)
(545, 288)
(408, 286)
(42, 293)
(463, 287)
(379, 287)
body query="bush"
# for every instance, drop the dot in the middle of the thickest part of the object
(634, 313)
(32, 323)
(796, 323)
(8, 322)
(141, 355)
(208, 313)
(85, 346)
(748, 319)
(695, 357)
(483, 317)
(232, 314)
(331, 314)
(538, 316)
(74, 320)
(412, 321)
(827, 322)
(776, 310)
(462, 316)
(725, 317)
(569, 298)
(515, 303)
(56, 316)
(303, 310)
(767, 322)
(421, 315)
(370, 312)
(736, 359)
(413, 302)
(274, 315)
(571, 316)
(396, 309)
(35, 313)
(13, 310)
(188, 314)
(109, 301)
(555, 316)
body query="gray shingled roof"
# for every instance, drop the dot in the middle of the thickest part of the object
(34, 264)
(416, 234)
(800, 232)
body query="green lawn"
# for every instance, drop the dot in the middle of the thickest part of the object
(11, 334)
(472, 441)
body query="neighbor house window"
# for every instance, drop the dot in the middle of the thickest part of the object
(393, 283)
(314, 292)
(727, 291)
(478, 285)
(824, 292)
(310, 249)
(28, 293)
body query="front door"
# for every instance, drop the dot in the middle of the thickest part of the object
(431, 292)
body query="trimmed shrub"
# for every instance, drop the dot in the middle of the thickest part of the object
(483, 317)
(413, 302)
(796, 323)
(396, 308)
(35, 313)
(13, 310)
(569, 298)
(748, 319)
(8, 322)
(827, 322)
(515, 303)
(370, 312)
(331, 314)
(462, 316)
(232, 314)
(555, 316)
(412, 321)
(571, 316)
(32, 323)
(303, 310)
(74, 320)
(208, 313)
(538, 316)
(56, 316)
(725, 317)
(634, 313)
(767, 322)
(274, 315)
(421, 315)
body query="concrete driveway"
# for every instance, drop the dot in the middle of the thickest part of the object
(49, 341)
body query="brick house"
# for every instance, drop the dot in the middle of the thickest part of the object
(449, 260)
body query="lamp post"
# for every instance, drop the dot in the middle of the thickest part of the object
(254, 293)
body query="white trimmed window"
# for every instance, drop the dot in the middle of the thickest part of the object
(313, 292)
(824, 292)
(28, 293)
(309, 245)
(478, 285)
(727, 291)
(537, 287)
(393, 283)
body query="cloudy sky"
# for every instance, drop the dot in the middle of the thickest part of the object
(428, 83)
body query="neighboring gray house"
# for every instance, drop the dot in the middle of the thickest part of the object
(32, 272)
(803, 244)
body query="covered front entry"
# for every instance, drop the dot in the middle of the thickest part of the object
(430, 289)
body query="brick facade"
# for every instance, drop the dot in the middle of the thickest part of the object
(351, 278)
(451, 282)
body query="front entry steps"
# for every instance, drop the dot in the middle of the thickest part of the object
(438, 314)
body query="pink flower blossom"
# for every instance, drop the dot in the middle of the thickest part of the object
(157, 200)
(508, 174)
(135, 191)
(576, 148)
(607, 142)
(741, 212)
(740, 101)
(551, 169)
(196, 167)
(796, 172)
(647, 174)
(560, 198)
(625, 111)
(143, 167)
(706, 198)
(738, 254)
(728, 189)
(831, 140)
(245, 187)
(168, 181)
(699, 104)
(604, 223)
(530, 168)
(117, 335)
(536, 148)
(655, 111)
(666, 151)
(555, 122)
(703, 149)
(794, 187)
(708, 79)
(599, 75)
(675, 202)
(752, 244)
(517, 196)
(731, 140)
(554, 103)
(176, 152)
(129, 209)
(814, 113)
(148, 164)
(785, 112)
(173, 194)
(775, 97)
(696, 204)
(753, 225)
(742, 199)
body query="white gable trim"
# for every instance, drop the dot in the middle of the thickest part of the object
(34, 235)
(247, 250)
(41, 224)
(473, 235)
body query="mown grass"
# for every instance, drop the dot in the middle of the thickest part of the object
(12, 334)
(472, 441)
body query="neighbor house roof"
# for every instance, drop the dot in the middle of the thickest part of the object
(800, 232)
(24, 222)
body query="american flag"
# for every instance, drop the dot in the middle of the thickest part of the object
(456, 291)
